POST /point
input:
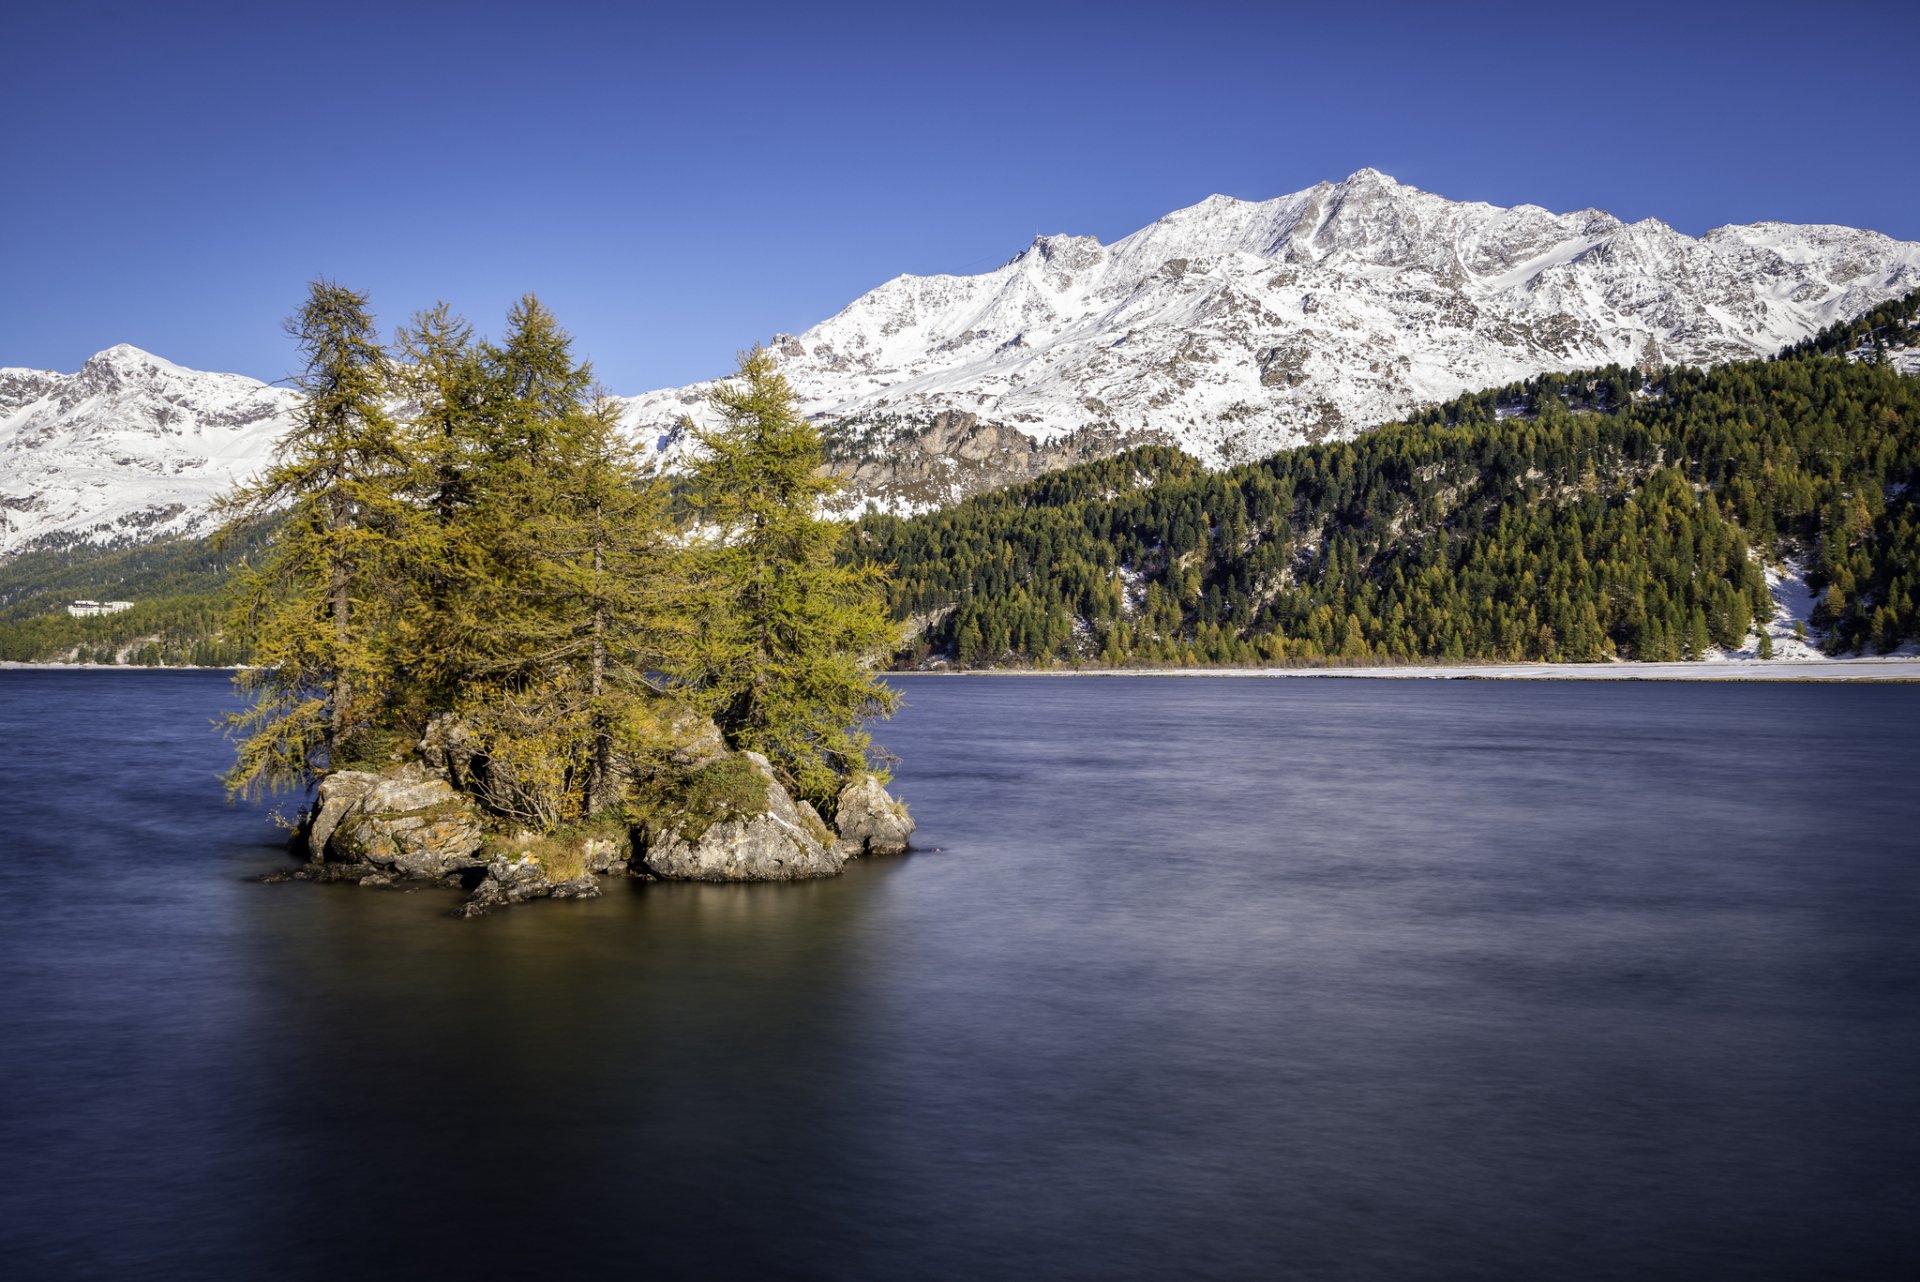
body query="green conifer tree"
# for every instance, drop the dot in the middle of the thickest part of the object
(787, 631)
(569, 590)
(600, 610)
(313, 608)
(446, 378)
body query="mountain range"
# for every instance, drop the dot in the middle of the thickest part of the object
(1228, 329)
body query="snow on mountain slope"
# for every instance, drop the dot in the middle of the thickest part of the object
(1234, 328)
(1231, 329)
(131, 447)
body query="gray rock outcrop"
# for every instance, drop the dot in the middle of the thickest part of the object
(450, 747)
(514, 881)
(695, 738)
(407, 823)
(870, 820)
(730, 820)
(705, 814)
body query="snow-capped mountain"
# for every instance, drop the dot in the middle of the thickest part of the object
(1230, 329)
(1235, 328)
(130, 448)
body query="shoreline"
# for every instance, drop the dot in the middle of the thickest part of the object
(58, 666)
(1877, 669)
(1890, 668)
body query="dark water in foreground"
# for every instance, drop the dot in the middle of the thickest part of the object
(1236, 979)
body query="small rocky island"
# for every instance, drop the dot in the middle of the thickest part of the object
(508, 654)
(691, 810)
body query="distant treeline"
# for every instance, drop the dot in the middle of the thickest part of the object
(176, 585)
(1573, 517)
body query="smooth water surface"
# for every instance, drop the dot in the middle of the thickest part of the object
(1205, 978)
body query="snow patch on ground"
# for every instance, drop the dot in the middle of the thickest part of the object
(1791, 627)
(1133, 598)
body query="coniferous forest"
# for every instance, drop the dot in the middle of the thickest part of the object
(1567, 518)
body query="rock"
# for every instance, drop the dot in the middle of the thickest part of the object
(406, 792)
(338, 793)
(604, 855)
(514, 881)
(730, 820)
(696, 739)
(325, 873)
(406, 822)
(871, 822)
(812, 816)
(449, 747)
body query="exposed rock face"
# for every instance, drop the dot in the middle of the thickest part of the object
(409, 823)
(730, 820)
(514, 881)
(696, 739)
(871, 822)
(909, 467)
(339, 792)
(604, 855)
(708, 814)
(450, 747)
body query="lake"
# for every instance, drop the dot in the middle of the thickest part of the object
(1192, 978)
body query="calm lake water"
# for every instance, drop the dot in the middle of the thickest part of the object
(1202, 978)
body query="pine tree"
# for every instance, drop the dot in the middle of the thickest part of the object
(312, 609)
(788, 631)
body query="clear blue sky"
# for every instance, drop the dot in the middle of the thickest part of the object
(679, 180)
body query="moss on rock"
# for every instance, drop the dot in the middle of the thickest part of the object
(729, 787)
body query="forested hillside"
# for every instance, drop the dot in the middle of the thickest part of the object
(1566, 518)
(176, 586)
(1891, 326)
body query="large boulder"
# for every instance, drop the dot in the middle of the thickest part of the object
(730, 820)
(407, 822)
(870, 820)
(339, 792)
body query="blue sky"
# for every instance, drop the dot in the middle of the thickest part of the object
(677, 181)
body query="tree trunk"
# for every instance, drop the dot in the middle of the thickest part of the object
(339, 605)
(600, 776)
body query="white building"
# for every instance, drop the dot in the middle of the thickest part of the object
(81, 609)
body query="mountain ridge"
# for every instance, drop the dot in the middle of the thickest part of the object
(1229, 329)
(1232, 328)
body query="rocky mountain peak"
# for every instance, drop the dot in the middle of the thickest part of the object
(1230, 328)
(1233, 327)
(129, 447)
